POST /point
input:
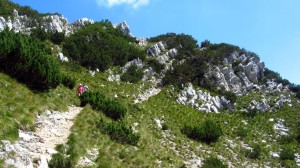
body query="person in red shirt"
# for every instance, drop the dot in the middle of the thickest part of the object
(80, 89)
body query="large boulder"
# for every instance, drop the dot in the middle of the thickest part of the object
(138, 62)
(252, 72)
(124, 28)
(202, 100)
(2, 23)
(156, 49)
(167, 56)
(82, 22)
(54, 23)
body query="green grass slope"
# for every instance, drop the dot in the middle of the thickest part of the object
(20, 105)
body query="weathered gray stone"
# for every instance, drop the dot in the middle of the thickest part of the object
(201, 100)
(124, 28)
(156, 49)
(252, 72)
(82, 22)
(138, 62)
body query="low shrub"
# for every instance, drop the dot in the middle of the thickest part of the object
(213, 162)
(111, 108)
(205, 43)
(254, 153)
(28, 60)
(286, 139)
(287, 153)
(229, 95)
(242, 132)
(68, 81)
(133, 74)
(207, 132)
(156, 66)
(119, 132)
(289, 163)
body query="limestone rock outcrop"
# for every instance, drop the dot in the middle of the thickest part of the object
(138, 62)
(82, 22)
(156, 49)
(238, 73)
(124, 28)
(201, 100)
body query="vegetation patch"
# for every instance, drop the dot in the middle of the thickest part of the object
(111, 108)
(101, 46)
(213, 162)
(27, 60)
(119, 132)
(208, 132)
(133, 74)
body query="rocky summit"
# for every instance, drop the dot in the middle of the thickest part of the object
(90, 94)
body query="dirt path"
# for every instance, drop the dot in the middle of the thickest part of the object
(52, 128)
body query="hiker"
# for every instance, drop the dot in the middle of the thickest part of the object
(85, 88)
(80, 89)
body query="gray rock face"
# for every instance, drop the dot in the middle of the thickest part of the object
(55, 23)
(138, 62)
(280, 128)
(252, 72)
(142, 41)
(238, 73)
(2, 23)
(259, 106)
(62, 58)
(202, 100)
(82, 22)
(156, 49)
(167, 56)
(24, 24)
(124, 28)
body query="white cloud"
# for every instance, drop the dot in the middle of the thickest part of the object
(133, 3)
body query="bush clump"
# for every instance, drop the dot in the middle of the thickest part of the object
(111, 108)
(208, 132)
(287, 153)
(68, 81)
(242, 132)
(133, 74)
(254, 153)
(213, 162)
(119, 132)
(27, 59)
(156, 66)
(101, 46)
(40, 33)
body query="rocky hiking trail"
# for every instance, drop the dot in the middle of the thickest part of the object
(34, 149)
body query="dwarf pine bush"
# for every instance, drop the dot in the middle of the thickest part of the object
(68, 81)
(133, 74)
(208, 132)
(213, 162)
(287, 153)
(119, 132)
(26, 59)
(110, 107)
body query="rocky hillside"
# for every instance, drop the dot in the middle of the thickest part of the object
(164, 101)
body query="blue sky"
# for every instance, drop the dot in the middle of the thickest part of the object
(270, 28)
